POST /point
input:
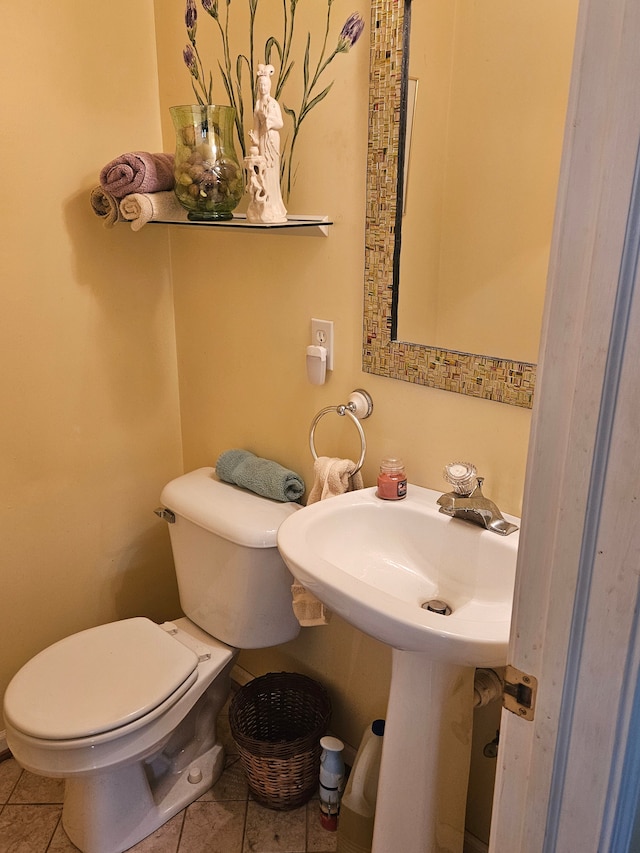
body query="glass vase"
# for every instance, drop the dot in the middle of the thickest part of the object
(208, 177)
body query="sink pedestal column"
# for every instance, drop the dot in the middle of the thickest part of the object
(424, 771)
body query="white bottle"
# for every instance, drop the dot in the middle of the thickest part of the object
(331, 781)
(358, 807)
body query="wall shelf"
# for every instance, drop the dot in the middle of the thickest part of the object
(303, 226)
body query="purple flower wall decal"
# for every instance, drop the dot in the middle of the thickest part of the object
(211, 6)
(191, 20)
(351, 32)
(189, 56)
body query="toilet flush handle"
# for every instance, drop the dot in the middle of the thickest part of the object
(166, 514)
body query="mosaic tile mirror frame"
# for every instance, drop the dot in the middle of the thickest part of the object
(465, 373)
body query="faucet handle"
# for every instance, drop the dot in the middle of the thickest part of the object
(462, 476)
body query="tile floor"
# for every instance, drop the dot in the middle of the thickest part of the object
(223, 820)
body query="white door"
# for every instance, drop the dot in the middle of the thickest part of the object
(569, 781)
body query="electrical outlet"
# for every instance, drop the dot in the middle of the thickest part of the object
(322, 336)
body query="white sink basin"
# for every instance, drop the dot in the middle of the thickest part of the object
(376, 562)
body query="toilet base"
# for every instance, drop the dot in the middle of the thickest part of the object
(111, 809)
(112, 812)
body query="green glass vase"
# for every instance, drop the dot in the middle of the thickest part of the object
(208, 177)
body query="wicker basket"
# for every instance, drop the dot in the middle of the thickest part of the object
(277, 721)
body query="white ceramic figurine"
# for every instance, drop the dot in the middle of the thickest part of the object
(263, 162)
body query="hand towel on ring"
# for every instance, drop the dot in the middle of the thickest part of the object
(332, 477)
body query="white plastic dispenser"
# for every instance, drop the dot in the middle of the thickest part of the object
(316, 364)
(358, 806)
(331, 781)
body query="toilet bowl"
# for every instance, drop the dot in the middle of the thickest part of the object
(126, 712)
(117, 756)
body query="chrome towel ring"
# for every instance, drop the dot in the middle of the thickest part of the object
(358, 408)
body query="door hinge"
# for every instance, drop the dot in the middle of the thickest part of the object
(519, 695)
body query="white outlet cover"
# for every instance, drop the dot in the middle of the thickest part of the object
(322, 335)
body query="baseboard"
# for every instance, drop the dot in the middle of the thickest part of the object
(473, 844)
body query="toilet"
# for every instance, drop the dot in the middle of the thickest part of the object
(126, 712)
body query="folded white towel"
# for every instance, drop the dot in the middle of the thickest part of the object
(308, 610)
(140, 208)
(333, 477)
(105, 206)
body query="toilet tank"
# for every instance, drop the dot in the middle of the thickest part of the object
(232, 580)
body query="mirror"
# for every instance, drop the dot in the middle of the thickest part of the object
(487, 191)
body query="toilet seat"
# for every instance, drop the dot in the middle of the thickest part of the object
(67, 691)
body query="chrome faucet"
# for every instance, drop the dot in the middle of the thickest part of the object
(474, 507)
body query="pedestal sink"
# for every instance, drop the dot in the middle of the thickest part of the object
(377, 563)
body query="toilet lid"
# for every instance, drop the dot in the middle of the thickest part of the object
(97, 680)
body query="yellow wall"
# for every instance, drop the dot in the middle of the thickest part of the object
(90, 422)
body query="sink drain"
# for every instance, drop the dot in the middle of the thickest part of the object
(435, 605)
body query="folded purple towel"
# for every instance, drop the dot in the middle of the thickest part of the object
(137, 172)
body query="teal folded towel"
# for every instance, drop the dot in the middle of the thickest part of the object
(262, 476)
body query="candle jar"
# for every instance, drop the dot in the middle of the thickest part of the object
(392, 480)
